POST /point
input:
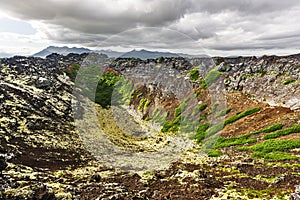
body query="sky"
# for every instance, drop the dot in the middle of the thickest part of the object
(211, 27)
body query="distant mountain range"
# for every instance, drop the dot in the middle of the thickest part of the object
(5, 55)
(61, 50)
(142, 54)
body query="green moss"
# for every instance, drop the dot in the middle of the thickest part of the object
(244, 139)
(277, 155)
(147, 103)
(200, 135)
(210, 78)
(222, 142)
(105, 88)
(139, 95)
(214, 108)
(223, 113)
(276, 145)
(214, 129)
(294, 129)
(274, 149)
(214, 153)
(218, 127)
(177, 112)
(194, 75)
(286, 82)
(198, 93)
(180, 109)
(201, 107)
(241, 115)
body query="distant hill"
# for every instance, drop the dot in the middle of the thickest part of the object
(142, 54)
(5, 55)
(61, 50)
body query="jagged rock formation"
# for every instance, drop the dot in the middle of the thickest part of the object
(271, 79)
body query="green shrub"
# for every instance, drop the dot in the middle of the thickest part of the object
(194, 75)
(72, 71)
(294, 129)
(105, 88)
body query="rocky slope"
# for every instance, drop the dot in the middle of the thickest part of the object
(43, 154)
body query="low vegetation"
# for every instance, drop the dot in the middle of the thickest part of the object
(245, 139)
(194, 75)
(241, 115)
(200, 135)
(286, 82)
(210, 78)
(105, 89)
(294, 129)
(274, 149)
(223, 113)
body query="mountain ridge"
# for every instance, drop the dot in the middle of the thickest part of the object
(141, 54)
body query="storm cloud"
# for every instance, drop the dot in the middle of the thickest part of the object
(216, 25)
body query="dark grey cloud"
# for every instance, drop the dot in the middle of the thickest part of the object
(221, 25)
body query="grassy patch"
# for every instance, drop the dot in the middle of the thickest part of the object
(105, 88)
(294, 129)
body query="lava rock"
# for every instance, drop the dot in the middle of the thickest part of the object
(43, 83)
(3, 164)
(95, 178)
